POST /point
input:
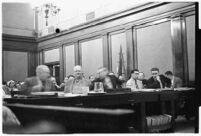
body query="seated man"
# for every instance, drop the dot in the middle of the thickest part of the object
(141, 77)
(133, 82)
(157, 81)
(76, 85)
(109, 81)
(175, 81)
(40, 83)
(56, 87)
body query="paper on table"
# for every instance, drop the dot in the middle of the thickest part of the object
(183, 89)
(145, 90)
(43, 93)
(73, 95)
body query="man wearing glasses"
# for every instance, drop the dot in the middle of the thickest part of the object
(157, 81)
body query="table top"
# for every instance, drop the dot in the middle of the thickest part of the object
(98, 99)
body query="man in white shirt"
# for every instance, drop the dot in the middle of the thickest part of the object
(133, 82)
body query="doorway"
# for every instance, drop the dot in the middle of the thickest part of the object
(55, 71)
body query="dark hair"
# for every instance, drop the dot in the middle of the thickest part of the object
(132, 71)
(154, 69)
(4, 82)
(168, 73)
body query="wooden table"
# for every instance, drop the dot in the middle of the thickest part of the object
(111, 99)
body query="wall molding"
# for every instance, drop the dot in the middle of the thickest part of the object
(19, 43)
(143, 21)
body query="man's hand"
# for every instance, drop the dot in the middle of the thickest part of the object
(38, 87)
(158, 78)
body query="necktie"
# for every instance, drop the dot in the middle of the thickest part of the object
(136, 84)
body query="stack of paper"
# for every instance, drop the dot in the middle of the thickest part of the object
(158, 121)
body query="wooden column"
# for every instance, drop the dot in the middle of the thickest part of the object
(31, 63)
(106, 62)
(135, 58)
(64, 61)
(130, 50)
(179, 48)
(39, 58)
(78, 55)
(61, 60)
(42, 57)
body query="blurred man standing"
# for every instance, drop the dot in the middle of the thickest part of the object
(40, 83)
(109, 81)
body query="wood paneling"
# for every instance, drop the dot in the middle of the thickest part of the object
(77, 53)
(130, 50)
(105, 50)
(18, 43)
(135, 59)
(22, 44)
(178, 36)
(139, 17)
(31, 63)
(61, 60)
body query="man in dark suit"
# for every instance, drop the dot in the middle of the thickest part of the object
(157, 81)
(109, 81)
(175, 81)
(39, 83)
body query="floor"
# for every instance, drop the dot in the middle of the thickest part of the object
(184, 126)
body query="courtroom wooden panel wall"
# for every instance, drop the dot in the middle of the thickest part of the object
(69, 59)
(190, 29)
(51, 55)
(154, 48)
(92, 56)
(126, 26)
(15, 65)
(118, 41)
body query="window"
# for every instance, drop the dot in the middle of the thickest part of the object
(118, 41)
(154, 48)
(51, 55)
(70, 59)
(92, 56)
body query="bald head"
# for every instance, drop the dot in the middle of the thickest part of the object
(78, 67)
(43, 72)
(78, 71)
(103, 72)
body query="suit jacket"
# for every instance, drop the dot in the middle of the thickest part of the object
(153, 83)
(116, 83)
(71, 86)
(30, 84)
(176, 82)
